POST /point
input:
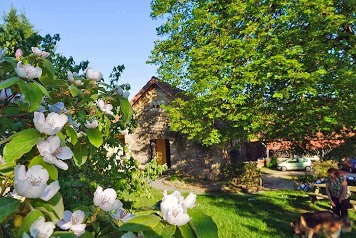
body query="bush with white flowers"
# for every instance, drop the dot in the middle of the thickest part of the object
(55, 131)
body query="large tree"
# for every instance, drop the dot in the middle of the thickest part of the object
(271, 69)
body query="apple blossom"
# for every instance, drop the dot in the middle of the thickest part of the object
(104, 107)
(106, 199)
(28, 71)
(121, 92)
(174, 207)
(91, 124)
(18, 53)
(33, 183)
(122, 215)
(40, 229)
(94, 75)
(54, 154)
(71, 78)
(73, 221)
(2, 161)
(40, 53)
(51, 124)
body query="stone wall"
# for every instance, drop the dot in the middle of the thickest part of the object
(186, 156)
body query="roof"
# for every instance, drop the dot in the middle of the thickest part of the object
(156, 82)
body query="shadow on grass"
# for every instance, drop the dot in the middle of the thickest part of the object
(266, 214)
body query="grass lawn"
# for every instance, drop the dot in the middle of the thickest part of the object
(263, 215)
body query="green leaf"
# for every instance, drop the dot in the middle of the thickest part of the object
(202, 224)
(72, 134)
(21, 144)
(95, 137)
(186, 231)
(28, 220)
(8, 206)
(168, 231)
(43, 89)
(80, 154)
(126, 109)
(33, 94)
(52, 170)
(54, 208)
(74, 90)
(64, 234)
(9, 82)
(47, 66)
(141, 223)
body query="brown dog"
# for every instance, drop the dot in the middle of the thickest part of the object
(321, 222)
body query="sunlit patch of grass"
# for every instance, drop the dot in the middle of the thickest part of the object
(264, 215)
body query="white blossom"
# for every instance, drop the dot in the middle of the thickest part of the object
(2, 161)
(122, 215)
(174, 207)
(53, 153)
(71, 78)
(106, 199)
(28, 71)
(104, 107)
(40, 53)
(73, 221)
(93, 75)
(91, 124)
(40, 229)
(33, 183)
(50, 125)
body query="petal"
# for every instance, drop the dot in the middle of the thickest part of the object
(37, 171)
(61, 165)
(43, 147)
(67, 216)
(78, 229)
(97, 196)
(49, 158)
(179, 220)
(80, 215)
(64, 153)
(64, 225)
(110, 193)
(117, 204)
(50, 191)
(190, 200)
(54, 143)
(20, 172)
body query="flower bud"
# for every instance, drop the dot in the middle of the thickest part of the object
(18, 53)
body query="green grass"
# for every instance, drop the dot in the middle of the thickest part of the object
(264, 215)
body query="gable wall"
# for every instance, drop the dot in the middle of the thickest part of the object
(187, 157)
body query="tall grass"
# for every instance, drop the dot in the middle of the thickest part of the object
(264, 215)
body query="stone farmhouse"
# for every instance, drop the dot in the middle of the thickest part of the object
(153, 139)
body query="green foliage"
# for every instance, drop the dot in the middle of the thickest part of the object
(320, 168)
(243, 173)
(154, 170)
(256, 69)
(79, 120)
(273, 163)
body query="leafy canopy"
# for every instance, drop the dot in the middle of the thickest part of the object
(275, 69)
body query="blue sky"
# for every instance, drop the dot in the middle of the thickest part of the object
(107, 33)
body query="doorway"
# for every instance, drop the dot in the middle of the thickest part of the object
(160, 149)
